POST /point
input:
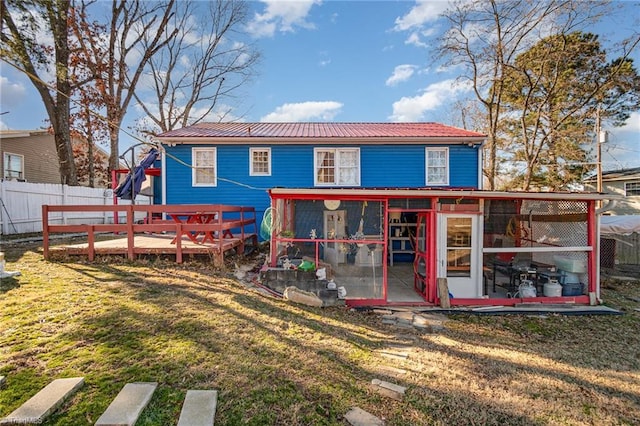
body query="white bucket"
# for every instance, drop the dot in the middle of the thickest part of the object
(552, 289)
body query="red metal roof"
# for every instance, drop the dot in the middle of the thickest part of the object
(319, 130)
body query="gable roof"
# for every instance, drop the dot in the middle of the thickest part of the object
(288, 132)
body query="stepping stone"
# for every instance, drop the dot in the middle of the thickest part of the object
(358, 417)
(199, 408)
(127, 406)
(390, 390)
(45, 402)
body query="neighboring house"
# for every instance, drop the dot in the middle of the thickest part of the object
(625, 182)
(390, 208)
(30, 156)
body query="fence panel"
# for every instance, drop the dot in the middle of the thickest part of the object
(21, 205)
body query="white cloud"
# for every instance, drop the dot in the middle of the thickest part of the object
(435, 95)
(622, 149)
(283, 16)
(3, 126)
(12, 93)
(425, 11)
(632, 124)
(401, 73)
(304, 111)
(414, 38)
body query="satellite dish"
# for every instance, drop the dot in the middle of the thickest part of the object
(331, 204)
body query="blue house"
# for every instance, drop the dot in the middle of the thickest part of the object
(388, 209)
(236, 163)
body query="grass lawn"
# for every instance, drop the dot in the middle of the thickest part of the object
(193, 327)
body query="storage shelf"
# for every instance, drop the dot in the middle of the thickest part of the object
(399, 244)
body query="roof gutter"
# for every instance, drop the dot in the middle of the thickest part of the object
(424, 192)
(257, 140)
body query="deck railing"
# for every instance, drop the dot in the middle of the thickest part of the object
(224, 220)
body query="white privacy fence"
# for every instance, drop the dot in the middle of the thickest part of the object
(21, 205)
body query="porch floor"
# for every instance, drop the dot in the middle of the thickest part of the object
(150, 244)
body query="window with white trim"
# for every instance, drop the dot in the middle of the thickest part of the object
(632, 188)
(336, 166)
(204, 166)
(13, 166)
(437, 166)
(260, 161)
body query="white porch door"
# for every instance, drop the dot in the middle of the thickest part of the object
(458, 248)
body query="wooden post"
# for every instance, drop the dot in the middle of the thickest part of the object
(45, 231)
(91, 242)
(443, 289)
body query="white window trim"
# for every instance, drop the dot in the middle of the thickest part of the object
(252, 172)
(194, 168)
(337, 154)
(426, 166)
(5, 161)
(626, 190)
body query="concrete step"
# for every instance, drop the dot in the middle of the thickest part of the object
(358, 417)
(45, 402)
(199, 408)
(390, 390)
(127, 406)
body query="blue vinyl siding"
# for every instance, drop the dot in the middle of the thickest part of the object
(463, 166)
(292, 167)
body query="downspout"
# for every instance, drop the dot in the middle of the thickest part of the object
(611, 204)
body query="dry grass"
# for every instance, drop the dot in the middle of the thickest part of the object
(190, 327)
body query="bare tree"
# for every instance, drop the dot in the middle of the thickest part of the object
(87, 101)
(25, 24)
(136, 31)
(202, 65)
(484, 38)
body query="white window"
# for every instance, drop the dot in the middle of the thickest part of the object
(337, 166)
(204, 166)
(437, 166)
(260, 161)
(632, 188)
(13, 166)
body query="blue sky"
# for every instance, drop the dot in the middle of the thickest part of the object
(348, 61)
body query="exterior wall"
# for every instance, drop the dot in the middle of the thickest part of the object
(41, 164)
(40, 157)
(630, 205)
(381, 166)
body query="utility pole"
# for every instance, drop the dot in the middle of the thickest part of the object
(599, 152)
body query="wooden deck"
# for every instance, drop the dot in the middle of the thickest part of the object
(226, 228)
(153, 245)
